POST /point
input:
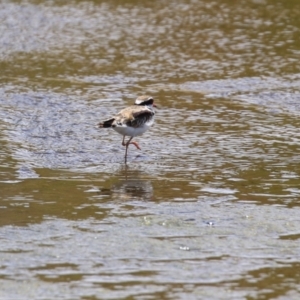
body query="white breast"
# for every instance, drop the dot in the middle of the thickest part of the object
(132, 131)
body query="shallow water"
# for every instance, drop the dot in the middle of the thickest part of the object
(209, 208)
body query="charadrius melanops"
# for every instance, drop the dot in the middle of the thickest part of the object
(133, 120)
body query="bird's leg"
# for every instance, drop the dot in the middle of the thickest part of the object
(136, 145)
(123, 142)
(127, 144)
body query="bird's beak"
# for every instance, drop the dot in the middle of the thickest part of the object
(154, 105)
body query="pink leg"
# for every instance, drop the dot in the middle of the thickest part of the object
(127, 144)
(136, 145)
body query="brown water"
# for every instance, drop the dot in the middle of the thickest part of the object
(208, 209)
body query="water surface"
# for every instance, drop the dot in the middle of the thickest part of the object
(208, 209)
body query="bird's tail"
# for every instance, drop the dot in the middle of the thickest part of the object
(106, 124)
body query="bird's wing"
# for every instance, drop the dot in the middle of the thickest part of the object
(133, 116)
(106, 123)
(142, 110)
(132, 112)
(140, 116)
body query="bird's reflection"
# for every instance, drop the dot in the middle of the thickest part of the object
(132, 185)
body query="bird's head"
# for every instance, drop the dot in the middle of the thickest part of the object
(145, 100)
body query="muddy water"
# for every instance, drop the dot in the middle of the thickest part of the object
(208, 209)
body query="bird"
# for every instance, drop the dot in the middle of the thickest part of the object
(132, 121)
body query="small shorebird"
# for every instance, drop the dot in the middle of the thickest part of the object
(133, 120)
